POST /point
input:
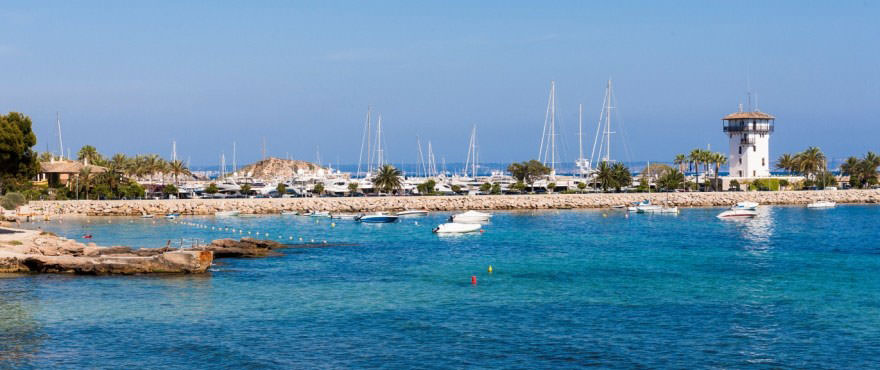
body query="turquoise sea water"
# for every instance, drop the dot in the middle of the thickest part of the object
(792, 288)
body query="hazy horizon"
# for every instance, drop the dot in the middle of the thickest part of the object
(133, 78)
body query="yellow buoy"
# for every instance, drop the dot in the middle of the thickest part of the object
(490, 269)
(332, 224)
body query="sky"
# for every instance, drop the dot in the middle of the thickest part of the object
(132, 78)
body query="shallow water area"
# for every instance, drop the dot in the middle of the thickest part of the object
(793, 287)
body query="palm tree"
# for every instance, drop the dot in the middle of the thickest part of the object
(869, 168)
(90, 154)
(810, 161)
(852, 169)
(84, 180)
(605, 176)
(177, 168)
(671, 179)
(622, 176)
(696, 157)
(718, 159)
(387, 179)
(786, 163)
(680, 161)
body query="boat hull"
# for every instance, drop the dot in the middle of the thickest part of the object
(373, 219)
(456, 228)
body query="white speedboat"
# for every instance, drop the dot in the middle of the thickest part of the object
(226, 213)
(471, 217)
(822, 204)
(454, 227)
(320, 214)
(650, 208)
(170, 216)
(289, 213)
(737, 213)
(146, 215)
(414, 212)
(745, 205)
(378, 218)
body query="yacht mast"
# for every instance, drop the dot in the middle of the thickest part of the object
(379, 159)
(60, 142)
(580, 131)
(547, 150)
(365, 141)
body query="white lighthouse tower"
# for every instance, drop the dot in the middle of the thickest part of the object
(749, 134)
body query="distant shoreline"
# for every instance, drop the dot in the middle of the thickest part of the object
(42, 209)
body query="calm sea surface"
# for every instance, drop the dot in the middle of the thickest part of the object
(792, 288)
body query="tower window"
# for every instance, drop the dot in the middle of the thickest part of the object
(754, 148)
(740, 173)
(762, 162)
(740, 149)
(740, 161)
(754, 174)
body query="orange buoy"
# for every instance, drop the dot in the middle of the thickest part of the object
(473, 280)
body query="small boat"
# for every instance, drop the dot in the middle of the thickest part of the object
(471, 217)
(737, 213)
(822, 204)
(619, 206)
(414, 212)
(635, 205)
(344, 216)
(671, 210)
(650, 208)
(170, 216)
(226, 213)
(378, 218)
(453, 228)
(745, 205)
(319, 214)
(146, 215)
(289, 213)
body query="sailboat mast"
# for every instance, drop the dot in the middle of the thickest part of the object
(60, 142)
(608, 121)
(421, 166)
(553, 129)
(234, 164)
(379, 160)
(580, 132)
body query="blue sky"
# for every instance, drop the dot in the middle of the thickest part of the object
(301, 74)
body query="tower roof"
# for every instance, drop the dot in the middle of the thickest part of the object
(746, 115)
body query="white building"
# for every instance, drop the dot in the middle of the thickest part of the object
(749, 134)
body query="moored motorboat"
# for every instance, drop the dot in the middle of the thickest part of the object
(471, 217)
(146, 215)
(635, 205)
(649, 208)
(412, 212)
(454, 227)
(822, 204)
(289, 213)
(170, 216)
(226, 213)
(738, 213)
(745, 205)
(319, 214)
(378, 218)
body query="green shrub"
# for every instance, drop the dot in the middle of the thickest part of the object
(765, 185)
(12, 200)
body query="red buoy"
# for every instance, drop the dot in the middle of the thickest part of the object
(473, 280)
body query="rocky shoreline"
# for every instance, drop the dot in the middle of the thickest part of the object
(435, 203)
(34, 251)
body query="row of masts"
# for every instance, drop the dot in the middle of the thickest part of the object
(601, 151)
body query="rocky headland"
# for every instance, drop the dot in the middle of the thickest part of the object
(34, 251)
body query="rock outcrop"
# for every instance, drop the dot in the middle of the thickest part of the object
(32, 251)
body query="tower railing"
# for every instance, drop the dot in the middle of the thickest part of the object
(750, 127)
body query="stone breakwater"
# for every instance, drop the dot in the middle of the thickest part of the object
(438, 203)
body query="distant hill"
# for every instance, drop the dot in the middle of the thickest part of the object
(277, 167)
